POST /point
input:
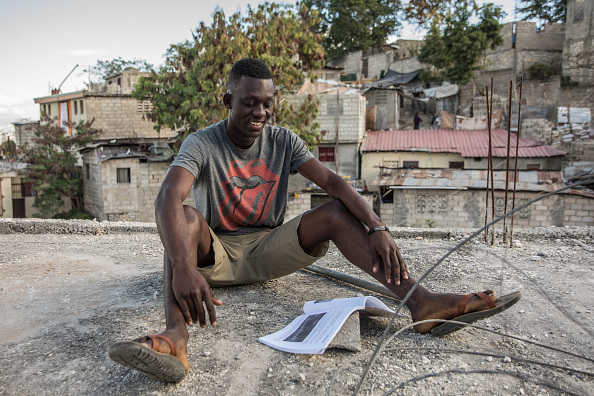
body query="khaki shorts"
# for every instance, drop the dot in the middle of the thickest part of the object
(259, 256)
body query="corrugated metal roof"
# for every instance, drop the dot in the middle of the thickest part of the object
(465, 142)
(467, 179)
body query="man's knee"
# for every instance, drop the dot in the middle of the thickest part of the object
(332, 213)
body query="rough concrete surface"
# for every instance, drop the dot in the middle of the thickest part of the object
(69, 289)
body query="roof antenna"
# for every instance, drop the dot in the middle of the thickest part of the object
(66, 78)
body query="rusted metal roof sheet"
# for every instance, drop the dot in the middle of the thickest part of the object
(470, 144)
(531, 180)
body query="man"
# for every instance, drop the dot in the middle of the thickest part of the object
(238, 172)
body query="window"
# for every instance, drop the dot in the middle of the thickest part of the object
(326, 154)
(81, 107)
(456, 165)
(144, 107)
(410, 164)
(75, 107)
(49, 109)
(533, 167)
(87, 171)
(123, 175)
(119, 81)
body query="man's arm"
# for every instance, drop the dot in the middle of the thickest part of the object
(381, 243)
(189, 287)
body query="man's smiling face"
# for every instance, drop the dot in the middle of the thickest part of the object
(250, 107)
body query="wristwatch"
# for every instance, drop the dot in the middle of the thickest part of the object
(380, 228)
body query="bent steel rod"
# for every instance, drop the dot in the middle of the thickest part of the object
(353, 280)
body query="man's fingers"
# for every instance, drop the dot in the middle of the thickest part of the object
(201, 314)
(185, 311)
(387, 268)
(395, 265)
(212, 315)
(375, 264)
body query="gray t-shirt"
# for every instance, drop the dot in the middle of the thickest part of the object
(241, 191)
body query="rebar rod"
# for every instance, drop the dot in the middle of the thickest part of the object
(509, 106)
(511, 232)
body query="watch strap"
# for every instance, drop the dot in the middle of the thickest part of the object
(375, 229)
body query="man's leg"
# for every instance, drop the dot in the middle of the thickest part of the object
(175, 324)
(333, 221)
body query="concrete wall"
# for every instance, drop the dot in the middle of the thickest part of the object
(24, 133)
(382, 104)
(351, 63)
(579, 46)
(377, 65)
(351, 116)
(121, 117)
(6, 194)
(348, 160)
(407, 65)
(466, 209)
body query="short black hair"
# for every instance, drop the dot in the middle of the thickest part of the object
(247, 67)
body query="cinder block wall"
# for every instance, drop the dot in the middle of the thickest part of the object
(466, 208)
(351, 117)
(376, 64)
(121, 117)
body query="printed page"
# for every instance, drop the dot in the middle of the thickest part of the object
(309, 333)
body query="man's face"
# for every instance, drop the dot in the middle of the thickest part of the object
(250, 107)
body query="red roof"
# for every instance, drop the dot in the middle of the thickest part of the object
(466, 143)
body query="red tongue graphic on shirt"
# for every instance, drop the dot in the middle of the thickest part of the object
(249, 190)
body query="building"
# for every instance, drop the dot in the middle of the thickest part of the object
(121, 180)
(110, 105)
(451, 149)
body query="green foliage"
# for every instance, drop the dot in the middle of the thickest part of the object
(8, 148)
(566, 81)
(454, 47)
(353, 25)
(187, 91)
(546, 11)
(427, 12)
(107, 68)
(52, 160)
(542, 71)
(72, 214)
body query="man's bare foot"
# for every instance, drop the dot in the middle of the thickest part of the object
(445, 306)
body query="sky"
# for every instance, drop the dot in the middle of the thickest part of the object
(43, 41)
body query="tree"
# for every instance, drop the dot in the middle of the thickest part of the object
(353, 25)
(107, 68)
(427, 12)
(187, 91)
(52, 160)
(547, 11)
(455, 49)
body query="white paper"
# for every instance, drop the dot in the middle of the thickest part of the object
(312, 332)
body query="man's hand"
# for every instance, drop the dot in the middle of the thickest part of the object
(193, 293)
(384, 250)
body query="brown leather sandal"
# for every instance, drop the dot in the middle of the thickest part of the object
(159, 366)
(489, 309)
